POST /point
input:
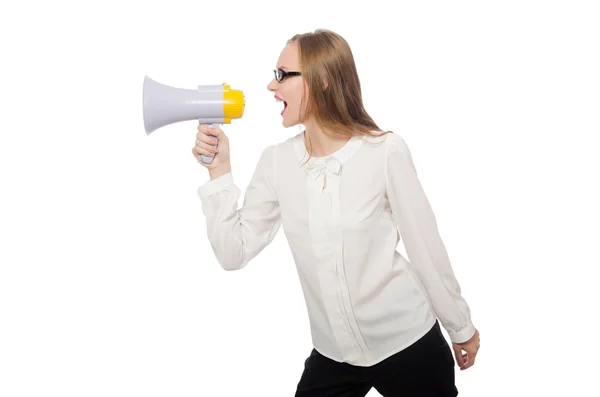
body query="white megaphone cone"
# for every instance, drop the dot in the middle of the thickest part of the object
(209, 104)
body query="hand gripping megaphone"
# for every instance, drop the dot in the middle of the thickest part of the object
(209, 104)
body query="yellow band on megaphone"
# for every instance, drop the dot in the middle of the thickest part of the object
(233, 103)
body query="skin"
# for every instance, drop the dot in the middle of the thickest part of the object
(291, 90)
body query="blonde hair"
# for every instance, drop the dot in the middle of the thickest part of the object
(325, 56)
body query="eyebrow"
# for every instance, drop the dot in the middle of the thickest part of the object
(283, 67)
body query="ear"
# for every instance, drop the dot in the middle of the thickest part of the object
(325, 85)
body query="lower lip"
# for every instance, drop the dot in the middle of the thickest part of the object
(283, 111)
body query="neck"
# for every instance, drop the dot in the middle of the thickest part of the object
(321, 144)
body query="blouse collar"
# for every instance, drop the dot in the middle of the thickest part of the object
(329, 165)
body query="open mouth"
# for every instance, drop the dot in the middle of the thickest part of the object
(284, 104)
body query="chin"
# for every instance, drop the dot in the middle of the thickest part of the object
(289, 123)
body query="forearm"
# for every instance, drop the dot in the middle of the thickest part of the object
(238, 234)
(430, 261)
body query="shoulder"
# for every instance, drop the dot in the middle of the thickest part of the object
(285, 144)
(390, 141)
(395, 150)
(272, 148)
(275, 152)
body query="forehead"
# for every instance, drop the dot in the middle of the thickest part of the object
(289, 57)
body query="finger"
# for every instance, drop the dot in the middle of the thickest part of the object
(198, 151)
(216, 132)
(197, 154)
(458, 356)
(206, 130)
(466, 362)
(467, 365)
(203, 128)
(209, 132)
(469, 360)
(201, 161)
(463, 361)
(206, 148)
(207, 140)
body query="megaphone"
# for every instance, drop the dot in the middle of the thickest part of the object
(209, 104)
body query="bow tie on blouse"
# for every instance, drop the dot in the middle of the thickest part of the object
(329, 167)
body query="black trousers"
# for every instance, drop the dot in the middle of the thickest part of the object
(425, 368)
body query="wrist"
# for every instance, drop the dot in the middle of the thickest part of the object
(221, 170)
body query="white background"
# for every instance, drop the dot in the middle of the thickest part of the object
(108, 286)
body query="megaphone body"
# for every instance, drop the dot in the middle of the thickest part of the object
(209, 104)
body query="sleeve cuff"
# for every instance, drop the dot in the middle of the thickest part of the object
(463, 335)
(215, 185)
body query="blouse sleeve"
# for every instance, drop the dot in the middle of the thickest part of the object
(237, 234)
(424, 247)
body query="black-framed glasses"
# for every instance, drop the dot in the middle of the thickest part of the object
(281, 74)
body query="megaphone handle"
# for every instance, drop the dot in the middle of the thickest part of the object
(209, 159)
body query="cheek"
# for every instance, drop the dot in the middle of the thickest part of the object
(296, 105)
(293, 94)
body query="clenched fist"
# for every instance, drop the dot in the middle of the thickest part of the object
(218, 148)
(471, 347)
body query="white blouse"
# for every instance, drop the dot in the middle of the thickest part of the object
(343, 216)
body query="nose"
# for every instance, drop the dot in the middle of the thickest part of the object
(272, 85)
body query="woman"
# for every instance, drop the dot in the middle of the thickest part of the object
(342, 189)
